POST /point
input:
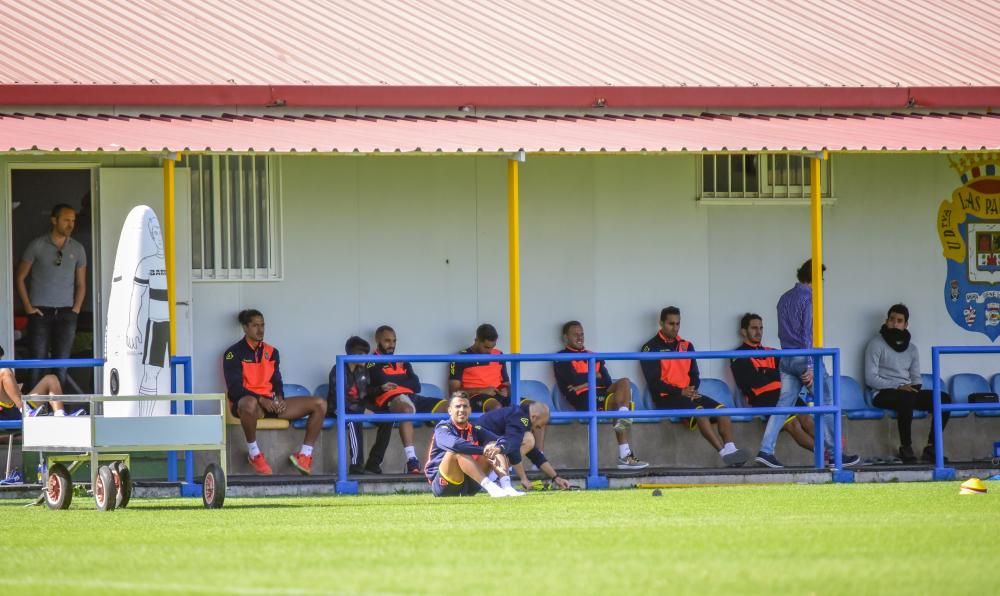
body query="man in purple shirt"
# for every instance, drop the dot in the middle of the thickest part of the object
(795, 333)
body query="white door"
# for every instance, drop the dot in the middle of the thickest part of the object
(119, 190)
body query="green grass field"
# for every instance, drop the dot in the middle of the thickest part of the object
(916, 538)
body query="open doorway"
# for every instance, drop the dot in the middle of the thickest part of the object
(34, 194)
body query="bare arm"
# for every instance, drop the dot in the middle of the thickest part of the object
(23, 269)
(80, 290)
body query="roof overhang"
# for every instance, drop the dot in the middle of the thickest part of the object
(949, 132)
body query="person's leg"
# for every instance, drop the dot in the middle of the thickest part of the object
(621, 400)
(705, 428)
(249, 413)
(924, 400)
(314, 408)
(791, 384)
(50, 385)
(795, 430)
(402, 405)
(9, 391)
(828, 419)
(356, 444)
(39, 328)
(383, 435)
(725, 428)
(902, 403)
(63, 334)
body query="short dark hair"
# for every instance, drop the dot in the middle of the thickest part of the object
(900, 309)
(59, 209)
(670, 310)
(458, 395)
(569, 325)
(1, 351)
(355, 343)
(805, 272)
(747, 318)
(382, 329)
(247, 315)
(486, 332)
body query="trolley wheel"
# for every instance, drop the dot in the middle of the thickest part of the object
(213, 487)
(123, 484)
(104, 489)
(58, 492)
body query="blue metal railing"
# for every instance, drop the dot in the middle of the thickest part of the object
(175, 361)
(941, 472)
(594, 480)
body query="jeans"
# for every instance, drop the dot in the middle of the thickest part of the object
(791, 370)
(51, 333)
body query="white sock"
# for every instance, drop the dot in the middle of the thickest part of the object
(254, 449)
(59, 413)
(624, 409)
(727, 449)
(306, 450)
(624, 450)
(493, 475)
(492, 488)
(505, 482)
(411, 452)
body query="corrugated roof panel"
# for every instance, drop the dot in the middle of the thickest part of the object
(672, 43)
(872, 132)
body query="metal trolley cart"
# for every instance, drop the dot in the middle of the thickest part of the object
(97, 438)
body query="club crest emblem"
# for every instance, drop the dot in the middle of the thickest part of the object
(969, 229)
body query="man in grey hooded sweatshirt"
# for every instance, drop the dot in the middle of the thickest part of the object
(892, 371)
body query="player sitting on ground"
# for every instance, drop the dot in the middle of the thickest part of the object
(254, 388)
(462, 455)
(11, 404)
(394, 388)
(760, 381)
(673, 385)
(516, 424)
(486, 383)
(571, 377)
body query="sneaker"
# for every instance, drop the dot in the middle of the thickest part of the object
(510, 491)
(631, 462)
(906, 455)
(848, 460)
(768, 460)
(413, 466)
(15, 477)
(495, 491)
(623, 424)
(303, 463)
(79, 412)
(356, 469)
(373, 468)
(736, 458)
(927, 456)
(260, 464)
(30, 412)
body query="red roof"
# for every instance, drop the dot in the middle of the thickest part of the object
(448, 53)
(327, 134)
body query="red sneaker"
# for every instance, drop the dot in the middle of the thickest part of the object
(302, 462)
(260, 465)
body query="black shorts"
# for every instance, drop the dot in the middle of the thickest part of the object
(770, 400)
(9, 413)
(157, 343)
(442, 487)
(421, 403)
(478, 402)
(605, 401)
(679, 402)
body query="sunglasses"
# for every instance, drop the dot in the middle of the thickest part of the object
(59, 258)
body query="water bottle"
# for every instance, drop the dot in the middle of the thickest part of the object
(43, 472)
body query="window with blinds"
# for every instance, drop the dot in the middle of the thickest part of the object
(779, 177)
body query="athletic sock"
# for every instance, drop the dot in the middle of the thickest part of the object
(59, 413)
(623, 409)
(492, 488)
(505, 482)
(254, 449)
(727, 449)
(411, 452)
(306, 450)
(624, 450)
(493, 475)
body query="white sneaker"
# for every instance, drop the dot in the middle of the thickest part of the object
(510, 491)
(495, 491)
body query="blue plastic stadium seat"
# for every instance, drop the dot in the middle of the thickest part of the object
(431, 390)
(718, 390)
(322, 389)
(960, 386)
(327, 423)
(540, 392)
(294, 390)
(641, 401)
(741, 402)
(559, 403)
(852, 401)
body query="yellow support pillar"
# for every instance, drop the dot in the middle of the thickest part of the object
(169, 240)
(514, 251)
(817, 246)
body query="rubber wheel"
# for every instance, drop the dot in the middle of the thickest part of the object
(104, 489)
(213, 487)
(123, 484)
(58, 491)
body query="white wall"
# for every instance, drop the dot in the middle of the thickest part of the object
(420, 243)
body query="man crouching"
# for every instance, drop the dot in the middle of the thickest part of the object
(461, 455)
